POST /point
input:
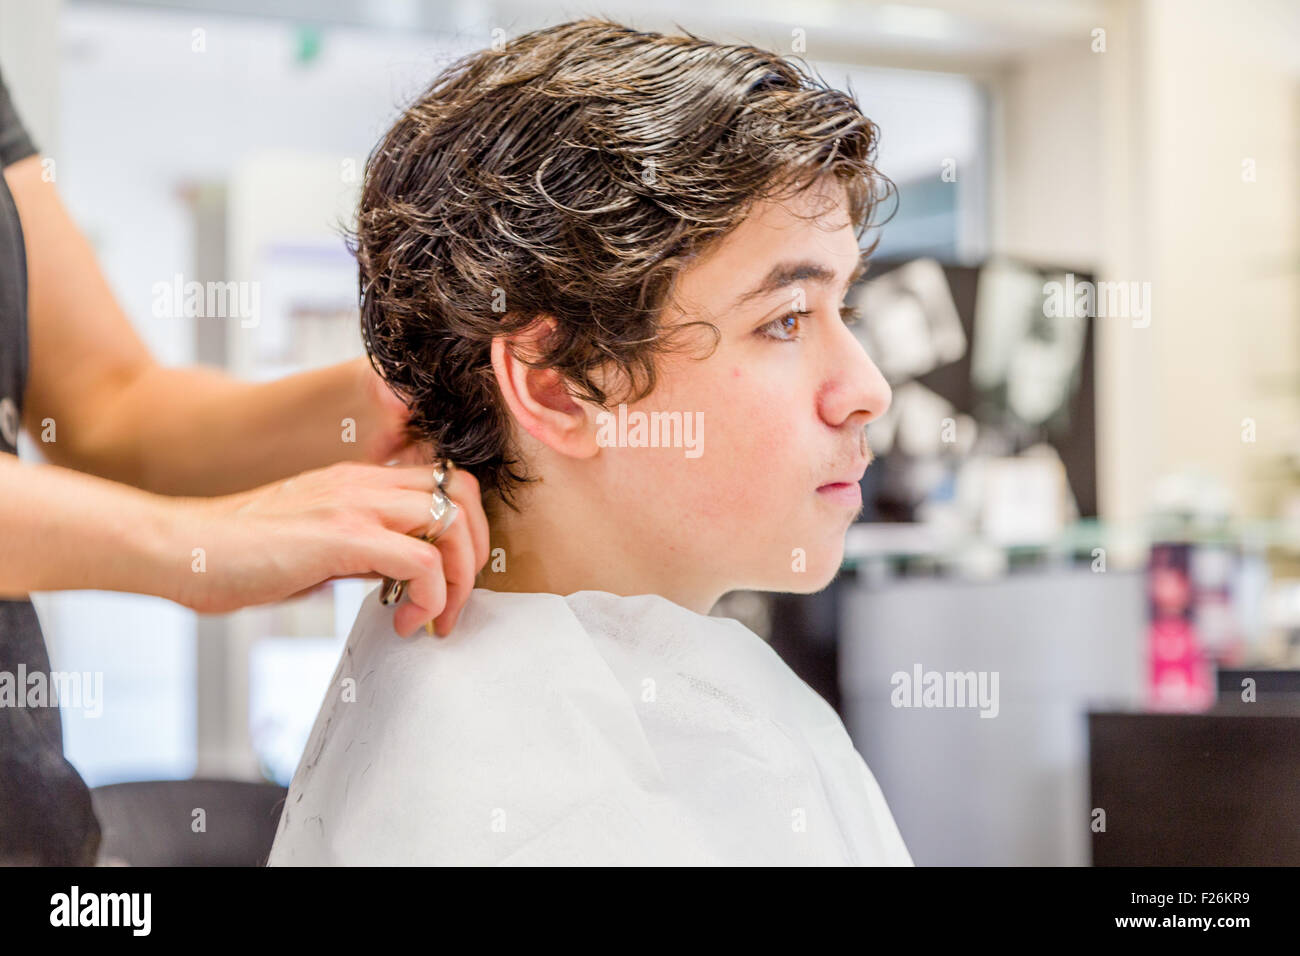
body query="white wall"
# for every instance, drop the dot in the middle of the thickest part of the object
(1130, 160)
(29, 48)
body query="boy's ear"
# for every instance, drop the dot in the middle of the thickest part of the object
(540, 399)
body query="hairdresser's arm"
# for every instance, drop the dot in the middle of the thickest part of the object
(117, 413)
(66, 530)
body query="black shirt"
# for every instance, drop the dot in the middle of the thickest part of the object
(45, 807)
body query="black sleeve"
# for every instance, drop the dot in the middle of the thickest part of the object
(15, 144)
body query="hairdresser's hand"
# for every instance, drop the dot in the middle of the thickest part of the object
(387, 437)
(347, 520)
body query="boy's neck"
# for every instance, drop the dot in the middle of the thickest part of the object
(556, 545)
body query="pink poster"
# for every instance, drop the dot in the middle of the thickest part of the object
(1181, 672)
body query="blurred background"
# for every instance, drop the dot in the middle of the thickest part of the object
(1087, 302)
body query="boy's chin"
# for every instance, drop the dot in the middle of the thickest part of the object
(812, 583)
(813, 574)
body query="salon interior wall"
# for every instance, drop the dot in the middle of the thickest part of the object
(29, 56)
(1130, 161)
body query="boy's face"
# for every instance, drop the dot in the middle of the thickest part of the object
(763, 495)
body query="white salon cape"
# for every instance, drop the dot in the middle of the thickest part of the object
(572, 730)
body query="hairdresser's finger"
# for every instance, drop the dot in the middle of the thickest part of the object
(428, 592)
(409, 619)
(420, 608)
(406, 509)
(458, 593)
(457, 547)
(401, 509)
(458, 563)
(415, 477)
(392, 555)
(464, 487)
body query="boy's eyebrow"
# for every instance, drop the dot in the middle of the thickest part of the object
(785, 274)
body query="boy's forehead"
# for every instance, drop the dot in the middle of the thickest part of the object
(813, 225)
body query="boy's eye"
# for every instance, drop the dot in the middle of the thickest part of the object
(786, 328)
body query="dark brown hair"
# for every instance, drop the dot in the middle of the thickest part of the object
(573, 173)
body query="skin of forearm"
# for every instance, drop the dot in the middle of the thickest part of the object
(65, 530)
(197, 431)
(113, 411)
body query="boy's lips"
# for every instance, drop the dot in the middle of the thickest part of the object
(845, 492)
(846, 486)
(849, 476)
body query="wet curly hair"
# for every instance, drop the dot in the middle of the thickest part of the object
(573, 173)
